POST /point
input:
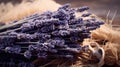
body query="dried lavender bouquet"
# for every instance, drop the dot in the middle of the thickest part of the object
(52, 34)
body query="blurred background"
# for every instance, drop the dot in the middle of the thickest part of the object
(98, 7)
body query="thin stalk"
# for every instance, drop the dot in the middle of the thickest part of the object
(27, 42)
(7, 36)
(70, 49)
(107, 17)
(13, 24)
(9, 31)
(113, 18)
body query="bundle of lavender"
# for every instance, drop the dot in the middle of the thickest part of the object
(52, 34)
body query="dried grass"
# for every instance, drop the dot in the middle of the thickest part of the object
(28, 8)
(4, 8)
(111, 47)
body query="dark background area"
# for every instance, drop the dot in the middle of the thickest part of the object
(98, 7)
